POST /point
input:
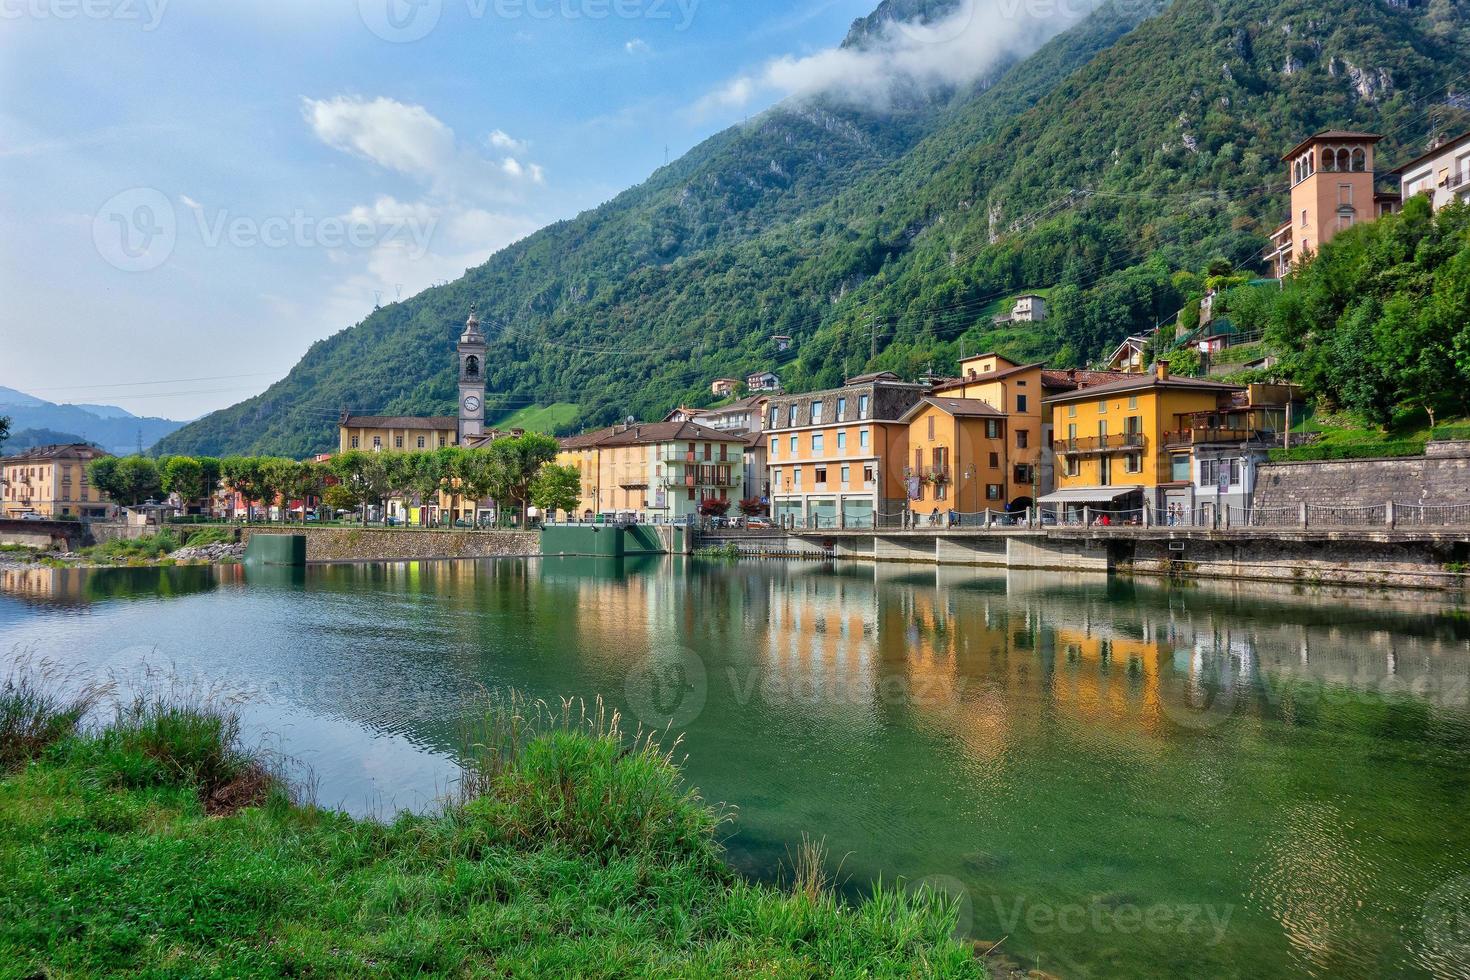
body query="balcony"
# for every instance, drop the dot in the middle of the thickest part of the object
(1098, 445)
(1205, 435)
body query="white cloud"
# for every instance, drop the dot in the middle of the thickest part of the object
(951, 51)
(637, 47)
(501, 140)
(392, 134)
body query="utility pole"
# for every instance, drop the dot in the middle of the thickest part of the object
(873, 333)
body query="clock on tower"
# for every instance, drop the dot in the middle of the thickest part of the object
(471, 380)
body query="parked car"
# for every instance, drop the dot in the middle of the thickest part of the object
(31, 515)
(759, 522)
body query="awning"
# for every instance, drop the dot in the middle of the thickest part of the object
(1087, 495)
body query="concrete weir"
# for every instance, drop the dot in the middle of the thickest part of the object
(1381, 558)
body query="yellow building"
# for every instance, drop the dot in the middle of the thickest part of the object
(51, 481)
(1112, 441)
(656, 472)
(396, 433)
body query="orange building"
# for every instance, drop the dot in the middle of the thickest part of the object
(957, 456)
(1332, 189)
(838, 457)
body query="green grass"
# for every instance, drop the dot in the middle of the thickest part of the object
(539, 418)
(571, 850)
(1343, 436)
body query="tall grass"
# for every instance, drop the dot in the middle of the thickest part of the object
(40, 704)
(568, 774)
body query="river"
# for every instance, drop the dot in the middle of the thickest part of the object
(1117, 779)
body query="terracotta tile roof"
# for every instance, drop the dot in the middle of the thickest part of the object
(1140, 382)
(649, 434)
(1069, 379)
(431, 423)
(969, 408)
(74, 450)
(988, 376)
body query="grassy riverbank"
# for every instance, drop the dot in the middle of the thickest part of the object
(155, 843)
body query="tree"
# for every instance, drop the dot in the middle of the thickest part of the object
(751, 506)
(4, 430)
(474, 474)
(303, 481)
(515, 463)
(714, 507)
(129, 480)
(243, 475)
(183, 475)
(426, 476)
(366, 474)
(341, 496)
(209, 476)
(277, 476)
(557, 488)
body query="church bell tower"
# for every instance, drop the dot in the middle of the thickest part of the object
(471, 380)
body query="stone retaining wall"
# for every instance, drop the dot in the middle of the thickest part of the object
(1441, 476)
(1356, 563)
(328, 544)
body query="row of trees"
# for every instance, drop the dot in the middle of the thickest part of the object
(519, 472)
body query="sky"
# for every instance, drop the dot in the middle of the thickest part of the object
(192, 192)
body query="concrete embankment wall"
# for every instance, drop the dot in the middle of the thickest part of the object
(1328, 561)
(47, 535)
(1440, 476)
(328, 544)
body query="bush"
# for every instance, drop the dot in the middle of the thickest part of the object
(1450, 433)
(1365, 450)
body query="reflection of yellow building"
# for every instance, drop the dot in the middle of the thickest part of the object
(52, 481)
(1110, 439)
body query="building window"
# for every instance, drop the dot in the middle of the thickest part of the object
(817, 443)
(1023, 438)
(1132, 401)
(791, 416)
(992, 428)
(842, 440)
(1071, 411)
(1304, 217)
(1073, 467)
(421, 442)
(442, 440)
(397, 442)
(775, 418)
(354, 442)
(846, 474)
(1022, 474)
(842, 409)
(792, 445)
(1133, 463)
(775, 480)
(868, 474)
(1020, 403)
(994, 491)
(931, 427)
(862, 406)
(796, 478)
(775, 448)
(995, 461)
(816, 413)
(820, 477)
(377, 442)
(1179, 468)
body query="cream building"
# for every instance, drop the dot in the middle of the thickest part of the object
(51, 481)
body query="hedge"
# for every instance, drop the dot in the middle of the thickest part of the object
(1358, 450)
(1449, 433)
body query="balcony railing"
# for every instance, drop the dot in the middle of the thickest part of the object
(1204, 435)
(1100, 444)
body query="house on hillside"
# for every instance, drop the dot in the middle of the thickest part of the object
(1442, 174)
(1029, 308)
(1130, 357)
(762, 381)
(724, 387)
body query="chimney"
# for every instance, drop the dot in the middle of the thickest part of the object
(1072, 374)
(1161, 370)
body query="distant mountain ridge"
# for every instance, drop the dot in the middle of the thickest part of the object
(114, 429)
(1143, 141)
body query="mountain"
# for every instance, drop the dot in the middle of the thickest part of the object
(31, 438)
(114, 429)
(1143, 141)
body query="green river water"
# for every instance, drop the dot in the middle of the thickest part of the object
(1118, 779)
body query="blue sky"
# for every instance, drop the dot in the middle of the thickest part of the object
(193, 192)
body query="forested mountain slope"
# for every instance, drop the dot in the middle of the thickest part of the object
(1117, 153)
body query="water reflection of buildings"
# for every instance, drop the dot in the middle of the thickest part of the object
(82, 586)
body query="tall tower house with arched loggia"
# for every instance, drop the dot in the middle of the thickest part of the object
(471, 350)
(1331, 178)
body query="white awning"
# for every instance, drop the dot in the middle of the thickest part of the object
(1087, 495)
